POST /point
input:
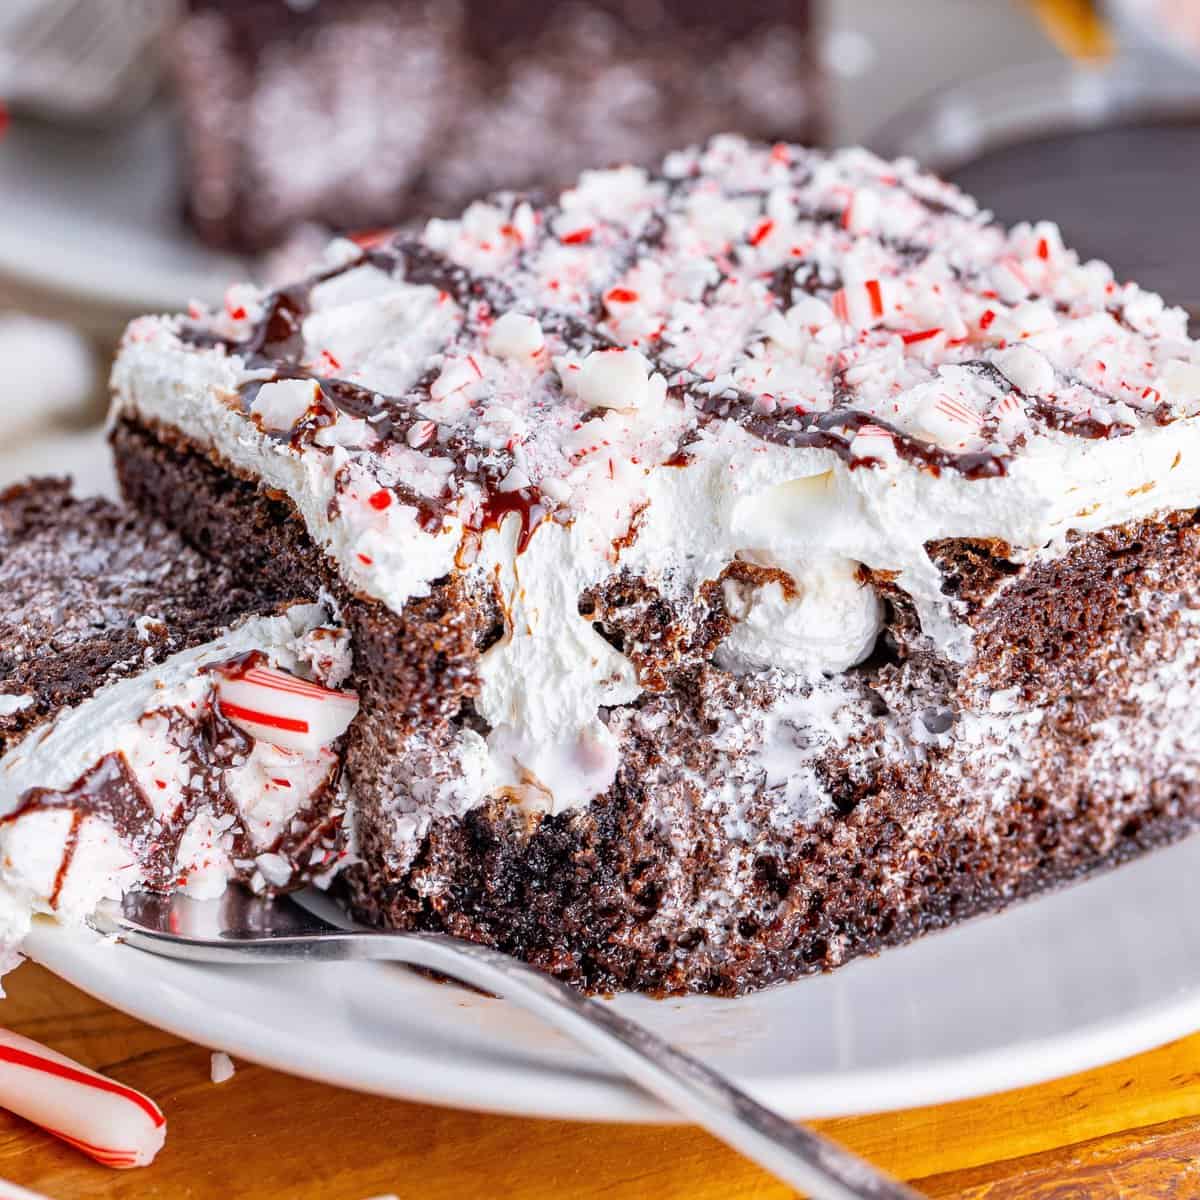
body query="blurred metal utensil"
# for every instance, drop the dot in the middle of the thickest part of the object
(1075, 27)
(92, 61)
(1092, 31)
(240, 928)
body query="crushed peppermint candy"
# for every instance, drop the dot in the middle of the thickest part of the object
(797, 294)
(283, 710)
(221, 1068)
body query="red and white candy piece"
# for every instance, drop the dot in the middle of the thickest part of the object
(1027, 368)
(862, 305)
(106, 1120)
(280, 406)
(515, 335)
(947, 420)
(872, 441)
(286, 711)
(862, 212)
(1008, 407)
(1010, 281)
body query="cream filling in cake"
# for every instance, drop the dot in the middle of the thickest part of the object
(800, 510)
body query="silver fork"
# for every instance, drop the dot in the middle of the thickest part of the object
(81, 59)
(242, 928)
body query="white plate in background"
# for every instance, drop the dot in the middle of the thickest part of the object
(1086, 975)
(97, 216)
(83, 455)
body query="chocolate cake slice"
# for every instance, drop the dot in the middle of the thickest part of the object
(161, 724)
(749, 565)
(358, 113)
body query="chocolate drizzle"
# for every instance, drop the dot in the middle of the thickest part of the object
(68, 857)
(275, 344)
(392, 417)
(835, 431)
(421, 265)
(792, 280)
(108, 790)
(526, 503)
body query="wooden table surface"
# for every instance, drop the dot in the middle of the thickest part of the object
(1131, 1130)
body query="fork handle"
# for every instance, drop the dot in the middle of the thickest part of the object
(819, 1168)
(809, 1162)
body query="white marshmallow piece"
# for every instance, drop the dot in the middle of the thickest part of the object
(828, 622)
(273, 706)
(515, 335)
(618, 379)
(280, 406)
(1027, 368)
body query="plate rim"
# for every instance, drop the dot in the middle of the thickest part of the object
(552, 1091)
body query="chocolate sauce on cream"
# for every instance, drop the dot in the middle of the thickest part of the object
(108, 790)
(210, 746)
(579, 312)
(526, 504)
(392, 417)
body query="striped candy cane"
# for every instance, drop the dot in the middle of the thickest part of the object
(279, 708)
(106, 1120)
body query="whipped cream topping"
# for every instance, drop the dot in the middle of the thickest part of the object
(65, 859)
(810, 362)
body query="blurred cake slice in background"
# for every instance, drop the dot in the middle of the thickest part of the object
(369, 112)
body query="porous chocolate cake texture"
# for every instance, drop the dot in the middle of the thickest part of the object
(162, 725)
(749, 565)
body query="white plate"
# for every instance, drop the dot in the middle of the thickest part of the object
(96, 216)
(1084, 976)
(82, 454)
